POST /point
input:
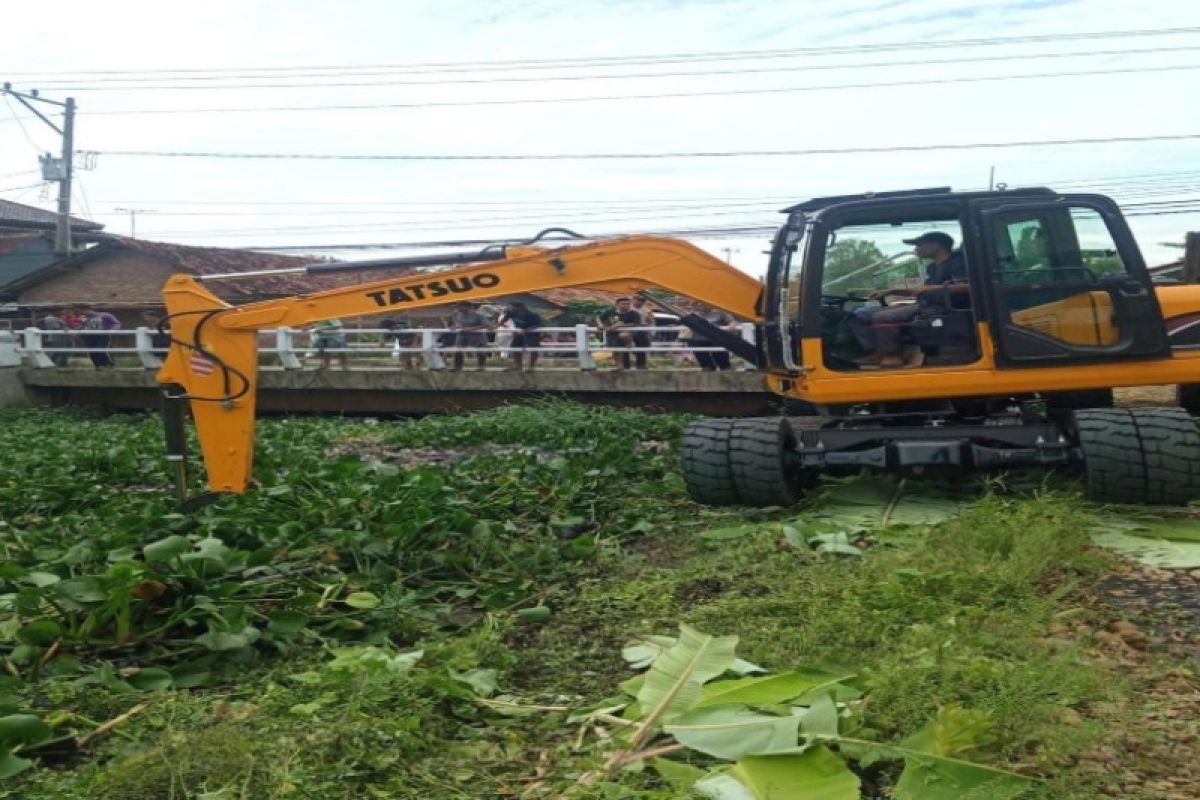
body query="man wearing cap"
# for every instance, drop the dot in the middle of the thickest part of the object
(879, 329)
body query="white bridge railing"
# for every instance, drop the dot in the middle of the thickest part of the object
(574, 347)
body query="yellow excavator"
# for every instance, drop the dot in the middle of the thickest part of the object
(1011, 363)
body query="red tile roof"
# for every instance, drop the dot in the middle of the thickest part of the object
(560, 297)
(222, 261)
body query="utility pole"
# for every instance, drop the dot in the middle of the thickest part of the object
(133, 212)
(62, 234)
(729, 251)
(1191, 258)
(61, 169)
(991, 178)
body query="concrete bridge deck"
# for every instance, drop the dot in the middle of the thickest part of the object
(392, 391)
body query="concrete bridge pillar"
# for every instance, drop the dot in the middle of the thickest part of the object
(12, 389)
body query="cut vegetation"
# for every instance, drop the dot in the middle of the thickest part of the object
(525, 603)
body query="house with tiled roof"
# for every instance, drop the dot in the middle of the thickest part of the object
(125, 276)
(27, 241)
(123, 273)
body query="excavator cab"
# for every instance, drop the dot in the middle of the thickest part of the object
(1046, 279)
(1002, 352)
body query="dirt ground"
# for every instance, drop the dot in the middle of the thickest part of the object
(1153, 636)
(1146, 395)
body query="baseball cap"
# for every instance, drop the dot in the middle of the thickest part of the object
(933, 237)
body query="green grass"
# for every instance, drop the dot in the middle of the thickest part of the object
(587, 518)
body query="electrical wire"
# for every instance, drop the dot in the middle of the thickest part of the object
(639, 156)
(757, 209)
(739, 231)
(454, 208)
(456, 223)
(26, 187)
(77, 183)
(647, 96)
(17, 119)
(769, 203)
(1135, 181)
(549, 202)
(561, 63)
(91, 87)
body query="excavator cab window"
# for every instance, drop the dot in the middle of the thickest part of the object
(892, 300)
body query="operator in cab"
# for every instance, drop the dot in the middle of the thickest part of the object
(880, 329)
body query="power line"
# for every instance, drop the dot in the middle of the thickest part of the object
(17, 119)
(1164, 213)
(1152, 180)
(451, 223)
(647, 96)
(565, 218)
(456, 203)
(87, 207)
(565, 63)
(644, 156)
(1124, 178)
(681, 233)
(698, 207)
(575, 210)
(26, 186)
(91, 87)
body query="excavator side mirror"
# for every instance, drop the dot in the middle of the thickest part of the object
(794, 229)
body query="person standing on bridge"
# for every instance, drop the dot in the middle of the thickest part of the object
(97, 333)
(470, 332)
(327, 335)
(616, 322)
(712, 360)
(642, 338)
(527, 337)
(54, 339)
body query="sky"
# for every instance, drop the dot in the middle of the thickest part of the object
(770, 77)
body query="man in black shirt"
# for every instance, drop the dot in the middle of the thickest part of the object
(616, 324)
(879, 329)
(527, 337)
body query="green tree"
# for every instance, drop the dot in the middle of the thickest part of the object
(581, 311)
(845, 258)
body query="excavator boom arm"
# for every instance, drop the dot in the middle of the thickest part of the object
(213, 359)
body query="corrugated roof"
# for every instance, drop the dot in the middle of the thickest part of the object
(10, 243)
(21, 256)
(30, 216)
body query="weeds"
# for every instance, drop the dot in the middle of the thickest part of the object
(333, 632)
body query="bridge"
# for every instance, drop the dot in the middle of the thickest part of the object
(389, 374)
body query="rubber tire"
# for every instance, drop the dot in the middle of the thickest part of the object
(705, 460)
(1139, 455)
(1187, 397)
(762, 474)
